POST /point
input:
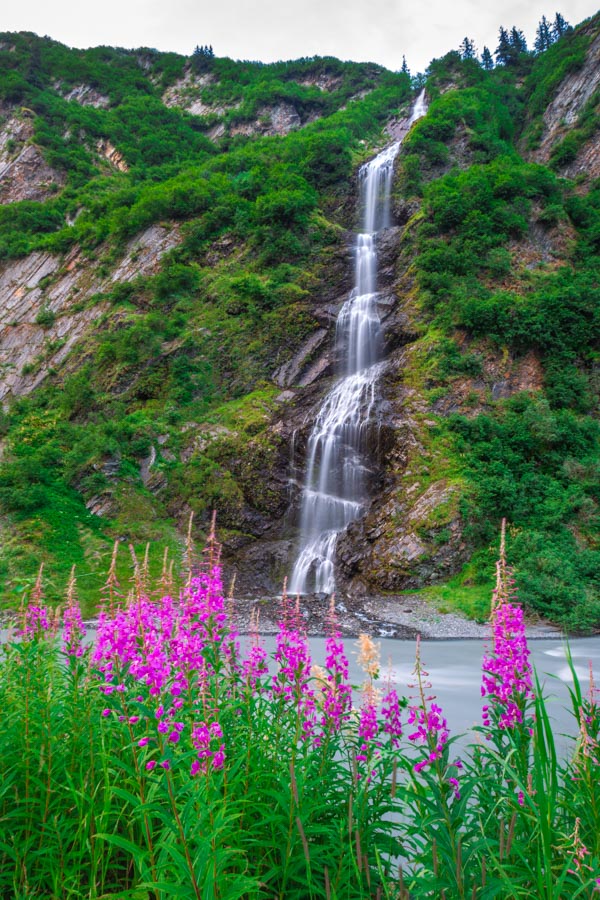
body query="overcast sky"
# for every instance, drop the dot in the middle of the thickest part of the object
(376, 30)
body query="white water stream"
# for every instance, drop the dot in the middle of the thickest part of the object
(334, 492)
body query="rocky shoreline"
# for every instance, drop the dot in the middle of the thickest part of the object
(402, 617)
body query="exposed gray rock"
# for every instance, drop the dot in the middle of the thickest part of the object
(86, 95)
(260, 567)
(28, 177)
(61, 286)
(288, 374)
(562, 113)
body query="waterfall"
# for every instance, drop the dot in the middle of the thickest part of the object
(334, 492)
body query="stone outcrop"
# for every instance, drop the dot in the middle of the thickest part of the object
(279, 118)
(563, 112)
(323, 81)
(24, 173)
(45, 308)
(110, 153)
(85, 95)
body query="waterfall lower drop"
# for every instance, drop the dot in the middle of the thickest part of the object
(335, 483)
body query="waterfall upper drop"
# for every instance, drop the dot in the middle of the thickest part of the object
(334, 492)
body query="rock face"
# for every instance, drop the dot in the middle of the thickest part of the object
(112, 155)
(563, 112)
(86, 95)
(45, 309)
(279, 118)
(24, 173)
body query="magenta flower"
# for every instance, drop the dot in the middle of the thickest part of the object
(35, 622)
(336, 691)
(432, 730)
(507, 676)
(292, 682)
(390, 712)
(73, 631)
(207, 739)
(367, 729)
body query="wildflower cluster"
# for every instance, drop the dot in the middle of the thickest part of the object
(191, 723)
(507, 676)
(337, 692)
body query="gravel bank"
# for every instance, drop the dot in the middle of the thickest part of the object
(394, 617)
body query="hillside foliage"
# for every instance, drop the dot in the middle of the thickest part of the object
(261, 219)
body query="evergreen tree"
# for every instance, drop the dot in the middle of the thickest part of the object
(560, 26)
(202, 58)
(518, 40)
(543, 36)
(486, 59)
(504, 51)
(467, 49)
(405, 70)
(511, 45)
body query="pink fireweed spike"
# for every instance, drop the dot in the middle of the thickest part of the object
(431, 730)
(367, 727)
(73, 627)
(207, 739)
(507, 675)
(73, 632)
(292, 682)
(36, 622)
(390, 713)
(255, 664)
(336, 691)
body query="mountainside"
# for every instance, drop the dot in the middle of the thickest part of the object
(175, 244)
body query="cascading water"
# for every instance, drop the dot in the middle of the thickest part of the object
(335, 483)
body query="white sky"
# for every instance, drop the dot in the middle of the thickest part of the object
(376, 30)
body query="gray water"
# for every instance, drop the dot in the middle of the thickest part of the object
(454, 672)
(334, 492)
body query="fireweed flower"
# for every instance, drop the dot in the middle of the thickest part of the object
(292, 681)
(336, 691)
(163, 653)
(390, 713)
(507, 675)
(368, 726)
(255, 663)
(73, 631)
(431, 731)
(36, 622)
(207, 738)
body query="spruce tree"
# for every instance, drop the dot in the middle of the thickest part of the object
(202, 57)
(486, 59)
(543, 36)
(405, 70)
(504, 51)
(560, 26)
(467, 49)
(518, 40)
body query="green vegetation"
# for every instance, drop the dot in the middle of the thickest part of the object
(532, 457)
(162, 757)
(180, 361)
(166, 405)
